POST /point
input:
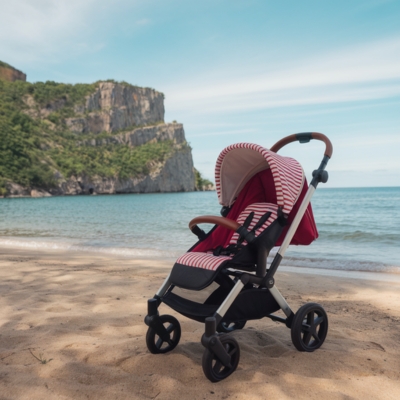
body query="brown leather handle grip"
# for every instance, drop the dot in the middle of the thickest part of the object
(305, 137)
(215, 220)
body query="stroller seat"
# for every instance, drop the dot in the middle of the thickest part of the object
(202, 260)
(255, 219)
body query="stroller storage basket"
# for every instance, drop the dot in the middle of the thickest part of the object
(254, 303)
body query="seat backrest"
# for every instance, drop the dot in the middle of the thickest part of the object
(256, 218)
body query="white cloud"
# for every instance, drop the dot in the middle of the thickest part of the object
(370, 71)
(33, 29)
(40, 23)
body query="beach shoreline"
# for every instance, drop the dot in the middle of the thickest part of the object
(71, 326)
(31, 245)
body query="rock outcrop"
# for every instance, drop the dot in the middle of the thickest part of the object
(39, 193)
(174, 175)
(9, 73)
(115, 107)
(140, 136)
(15, 190)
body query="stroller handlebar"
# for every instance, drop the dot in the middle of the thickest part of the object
(304, 138)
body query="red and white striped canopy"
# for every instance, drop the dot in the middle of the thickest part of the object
(239, 162)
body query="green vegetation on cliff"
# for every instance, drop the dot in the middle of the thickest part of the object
(202, 183)
(35, 144)
(110, 160)
(22, 137)
(5, 65)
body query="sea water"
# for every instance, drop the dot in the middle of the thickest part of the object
(359, 228)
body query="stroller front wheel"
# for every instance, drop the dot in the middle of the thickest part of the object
(213, 368)
(167, 342)
(309, 327)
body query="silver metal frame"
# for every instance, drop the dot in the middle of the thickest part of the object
(224, 307)
(164, 287)
(281, 301)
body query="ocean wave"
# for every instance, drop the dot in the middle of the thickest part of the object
(343, 265)
(297, 262)
(361, 237)
(34, 244)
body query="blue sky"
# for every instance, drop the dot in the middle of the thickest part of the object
(234, 71)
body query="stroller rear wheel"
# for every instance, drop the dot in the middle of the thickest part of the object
(226, 327)
(157, 344)
(309, 327)
(213, 368)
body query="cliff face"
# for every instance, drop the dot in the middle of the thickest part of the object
(11, 74)
(176, 174)
(140, 136)
(115, 107)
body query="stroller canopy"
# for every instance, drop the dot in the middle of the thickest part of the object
(239, 162)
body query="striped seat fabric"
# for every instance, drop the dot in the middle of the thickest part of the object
(259, 210)
(202, 260)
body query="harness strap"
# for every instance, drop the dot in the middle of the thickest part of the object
(261, 221)
(247, 235)
(230, 250)
(248, 220)
(245, 225)
(244, 234)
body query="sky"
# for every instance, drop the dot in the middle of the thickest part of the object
(235, 70)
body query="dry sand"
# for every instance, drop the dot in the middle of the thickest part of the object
(82, 315)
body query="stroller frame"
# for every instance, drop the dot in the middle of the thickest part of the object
(309, 325)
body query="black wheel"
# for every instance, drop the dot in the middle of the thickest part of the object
(156, 344)
(226, 327)
(309, 327)
(213, 368)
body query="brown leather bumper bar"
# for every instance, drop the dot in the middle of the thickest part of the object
(215, 220)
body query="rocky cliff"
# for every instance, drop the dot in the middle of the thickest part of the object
(113, 107)
(140, 136)
(103, 138)
(9, 73)
(175, 174)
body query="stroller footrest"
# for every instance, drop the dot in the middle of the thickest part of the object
(188, 308)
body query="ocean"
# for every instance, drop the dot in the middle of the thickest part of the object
(359, 228)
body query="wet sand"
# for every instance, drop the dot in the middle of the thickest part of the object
(71, 327)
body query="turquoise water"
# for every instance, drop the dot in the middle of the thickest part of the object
(359, 228)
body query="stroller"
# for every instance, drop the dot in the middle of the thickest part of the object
(265, 203)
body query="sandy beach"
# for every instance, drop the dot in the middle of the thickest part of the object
(71, 327)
